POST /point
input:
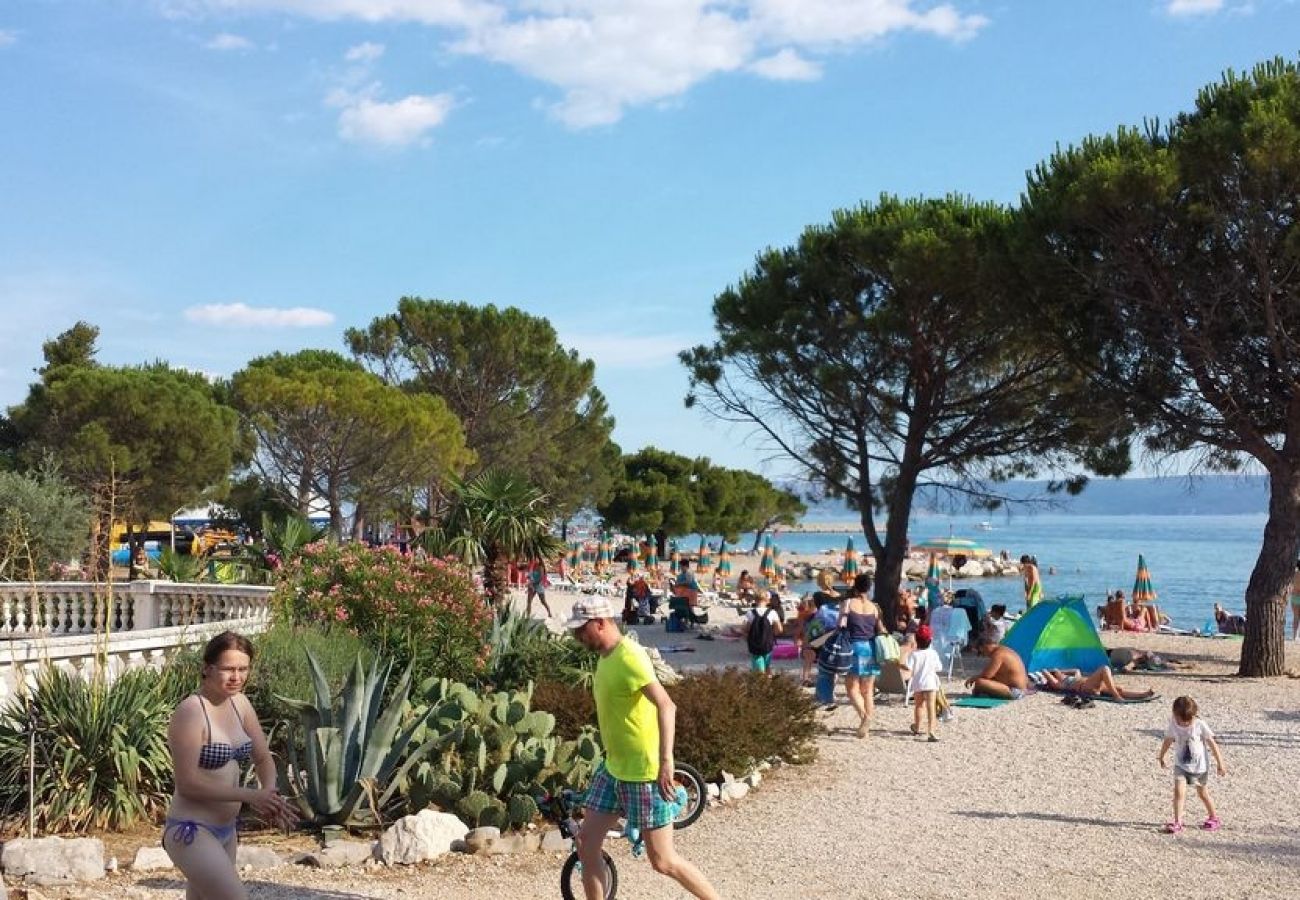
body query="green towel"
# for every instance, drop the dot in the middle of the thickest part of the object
(979, 702)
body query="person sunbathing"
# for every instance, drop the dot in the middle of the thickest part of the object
(1129, 659)
(1099, 683)
(1004, 674)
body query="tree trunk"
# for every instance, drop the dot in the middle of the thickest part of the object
(661, 544)
(496, 582)
(1263, 652)
(758, 539)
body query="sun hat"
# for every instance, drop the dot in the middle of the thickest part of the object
(587, 609)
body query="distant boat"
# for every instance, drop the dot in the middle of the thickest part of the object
(984, 526)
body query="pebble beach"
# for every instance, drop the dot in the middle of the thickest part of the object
(1030, 799)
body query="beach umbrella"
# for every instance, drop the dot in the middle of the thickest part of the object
(850, 567)
(674, 559)
(767, 562)
(704, 561)
(724, 560)
(953, 546)
(603, 555)
(1143, 590)
(651, 557)
(632, 561)
(933, 584)
(575, 555)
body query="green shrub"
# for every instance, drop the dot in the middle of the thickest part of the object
(101, 751)
(522, 650)
(731, 720)
(423, 611)
(42, 524)
(571, 703)
(281, 666)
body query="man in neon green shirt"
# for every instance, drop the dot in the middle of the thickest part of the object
(637, 722)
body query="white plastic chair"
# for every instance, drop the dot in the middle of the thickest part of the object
(950, 630)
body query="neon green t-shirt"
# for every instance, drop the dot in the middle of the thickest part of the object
(629, 722)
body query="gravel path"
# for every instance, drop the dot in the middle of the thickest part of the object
(1028, 800)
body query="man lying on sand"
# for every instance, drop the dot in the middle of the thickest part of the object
(1073, 681)
(1004, 675)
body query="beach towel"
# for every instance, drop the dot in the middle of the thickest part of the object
(1100, 698)
(980, 702)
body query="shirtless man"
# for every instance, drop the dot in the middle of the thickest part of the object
(1100, 682)
(1004, 674)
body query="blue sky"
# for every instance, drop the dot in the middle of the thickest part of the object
(212, 180)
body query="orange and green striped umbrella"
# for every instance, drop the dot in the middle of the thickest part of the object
(850, 568)
(651, 558)
(674, 559)
(575, 555)
(724, 560)
(632, 561)
(1143, 590)
(703, 561)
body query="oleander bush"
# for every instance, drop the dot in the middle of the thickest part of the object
(416, 610)
(731, 720)
(101, 758)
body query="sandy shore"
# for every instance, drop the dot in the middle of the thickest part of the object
(1032, 799)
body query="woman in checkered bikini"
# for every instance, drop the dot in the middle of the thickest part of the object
(212, 733)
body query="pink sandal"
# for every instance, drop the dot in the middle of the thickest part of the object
(1173, 827)
(1211, 824)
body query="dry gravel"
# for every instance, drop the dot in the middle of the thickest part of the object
(1029, 800)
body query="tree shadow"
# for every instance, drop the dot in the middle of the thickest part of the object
(1057, 817)
(257, 888)
(1280, 740)
(1282, 715)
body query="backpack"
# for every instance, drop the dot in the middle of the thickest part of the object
(836, 655)
(761, 635)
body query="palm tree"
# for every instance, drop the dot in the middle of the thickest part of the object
(494, 518)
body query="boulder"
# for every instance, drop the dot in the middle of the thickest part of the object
(753, 779)
(478, 840)
(554, 842)
(515, 843)
(425, 835)
(149, 858)
(53, 860)
(339, 854)
(253, 857)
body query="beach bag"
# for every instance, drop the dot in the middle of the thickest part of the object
(761, 635)
(836, 655)
(886, 648)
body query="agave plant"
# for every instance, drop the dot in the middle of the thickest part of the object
(355, 751)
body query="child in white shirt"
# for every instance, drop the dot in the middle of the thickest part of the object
(924, 665)
(1191, 737)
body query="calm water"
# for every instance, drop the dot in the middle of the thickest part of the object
(1195, 561)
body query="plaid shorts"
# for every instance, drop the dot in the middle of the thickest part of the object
(638, 801)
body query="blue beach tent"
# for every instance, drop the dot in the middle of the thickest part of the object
(1057, 634)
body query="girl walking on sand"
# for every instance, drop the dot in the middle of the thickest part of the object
(1190, 736)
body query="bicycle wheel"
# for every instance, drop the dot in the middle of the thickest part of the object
(571, 878)
(697, 795)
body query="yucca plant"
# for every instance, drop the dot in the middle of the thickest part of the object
(101, 758)
(353, 752)
(179, 566)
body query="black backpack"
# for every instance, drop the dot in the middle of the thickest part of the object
(761, 636)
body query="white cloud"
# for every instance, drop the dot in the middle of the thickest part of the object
(8, 37)
(1193, 7)
(367, 52)
(786, 65)
(241, 315)
(363, 119)
(227, 41)
(625, 351)
(606, 56)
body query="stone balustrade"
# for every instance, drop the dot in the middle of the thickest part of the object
(87, 628)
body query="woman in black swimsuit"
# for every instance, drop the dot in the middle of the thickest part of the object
(212, 733)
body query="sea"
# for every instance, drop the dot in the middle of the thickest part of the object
(1194, 561)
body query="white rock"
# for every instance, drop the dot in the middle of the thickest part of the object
(727, 777)
(733, 791)
(150, 858)
(554, 842)
(753, 779)
(339, 854)
(478, 840)
(53, 860)
(426, 835)
(712, 790)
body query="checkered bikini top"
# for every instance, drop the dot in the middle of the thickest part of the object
(214, 755)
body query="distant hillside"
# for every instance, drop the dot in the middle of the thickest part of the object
(1214, 495)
